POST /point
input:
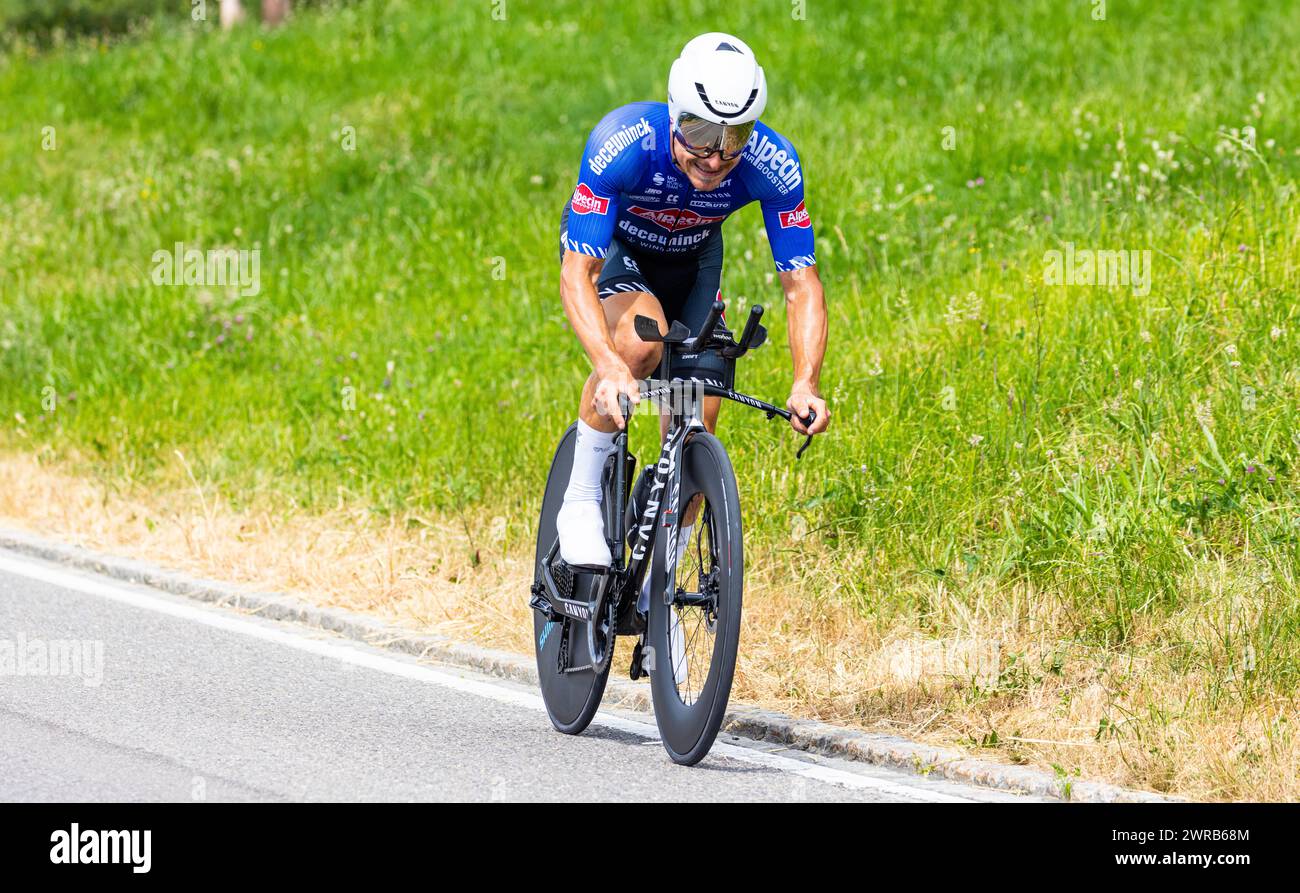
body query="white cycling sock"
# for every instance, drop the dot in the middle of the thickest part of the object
(589, 454)
(643, 599)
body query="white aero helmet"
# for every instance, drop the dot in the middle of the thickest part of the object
(716, 91)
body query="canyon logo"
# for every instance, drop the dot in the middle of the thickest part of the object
(673, 218)
(663, 471)
(587, 202)
(1112, 268)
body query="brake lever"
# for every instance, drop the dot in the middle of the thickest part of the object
(808, 420)
(812, 417)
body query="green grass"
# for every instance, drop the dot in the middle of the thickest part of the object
(1068, 453)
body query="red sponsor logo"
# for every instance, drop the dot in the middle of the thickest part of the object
(673, 218)
(798, 217)
(587, 202)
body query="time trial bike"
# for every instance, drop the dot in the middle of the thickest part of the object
(688, 639)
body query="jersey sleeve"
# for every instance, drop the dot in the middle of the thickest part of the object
(785, 216)
(611, 163)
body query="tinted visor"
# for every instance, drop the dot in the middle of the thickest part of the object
(701, 134)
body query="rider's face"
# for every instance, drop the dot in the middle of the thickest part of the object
(705, 174)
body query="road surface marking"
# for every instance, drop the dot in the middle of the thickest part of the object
(361, 656)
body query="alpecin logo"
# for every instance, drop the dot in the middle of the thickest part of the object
(798, 217)
(587, 202)
(780, 167)
(673, 218)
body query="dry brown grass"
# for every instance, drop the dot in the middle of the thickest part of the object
(806, 651)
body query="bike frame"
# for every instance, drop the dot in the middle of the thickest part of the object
(631, 549)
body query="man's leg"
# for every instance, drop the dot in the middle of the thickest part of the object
(642, 357)
(579, 522)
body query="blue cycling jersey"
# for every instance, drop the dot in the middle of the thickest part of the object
(630, 187)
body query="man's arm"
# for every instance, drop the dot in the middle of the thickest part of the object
(790, 233)
(805, 306)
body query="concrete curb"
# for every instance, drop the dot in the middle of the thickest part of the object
(742, 720)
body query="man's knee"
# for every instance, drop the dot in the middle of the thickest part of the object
(642, 357)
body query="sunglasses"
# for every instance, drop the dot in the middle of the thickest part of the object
(704, 139)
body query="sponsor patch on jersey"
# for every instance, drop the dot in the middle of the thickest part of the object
(587, 202)
(798, 217)
(672, 218)
(617, 143)
(663, 242)
(773, 162)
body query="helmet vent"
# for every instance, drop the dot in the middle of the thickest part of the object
(728, 47)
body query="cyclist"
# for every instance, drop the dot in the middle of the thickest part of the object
(642, 235)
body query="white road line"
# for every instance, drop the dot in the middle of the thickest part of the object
(361, 656)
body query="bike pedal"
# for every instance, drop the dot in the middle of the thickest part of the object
(539, 602)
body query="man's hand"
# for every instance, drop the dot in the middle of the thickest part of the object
(804, 397)
(614, 379)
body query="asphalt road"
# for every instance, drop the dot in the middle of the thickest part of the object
(174, 700)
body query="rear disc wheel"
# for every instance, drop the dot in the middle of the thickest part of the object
(572, 683)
